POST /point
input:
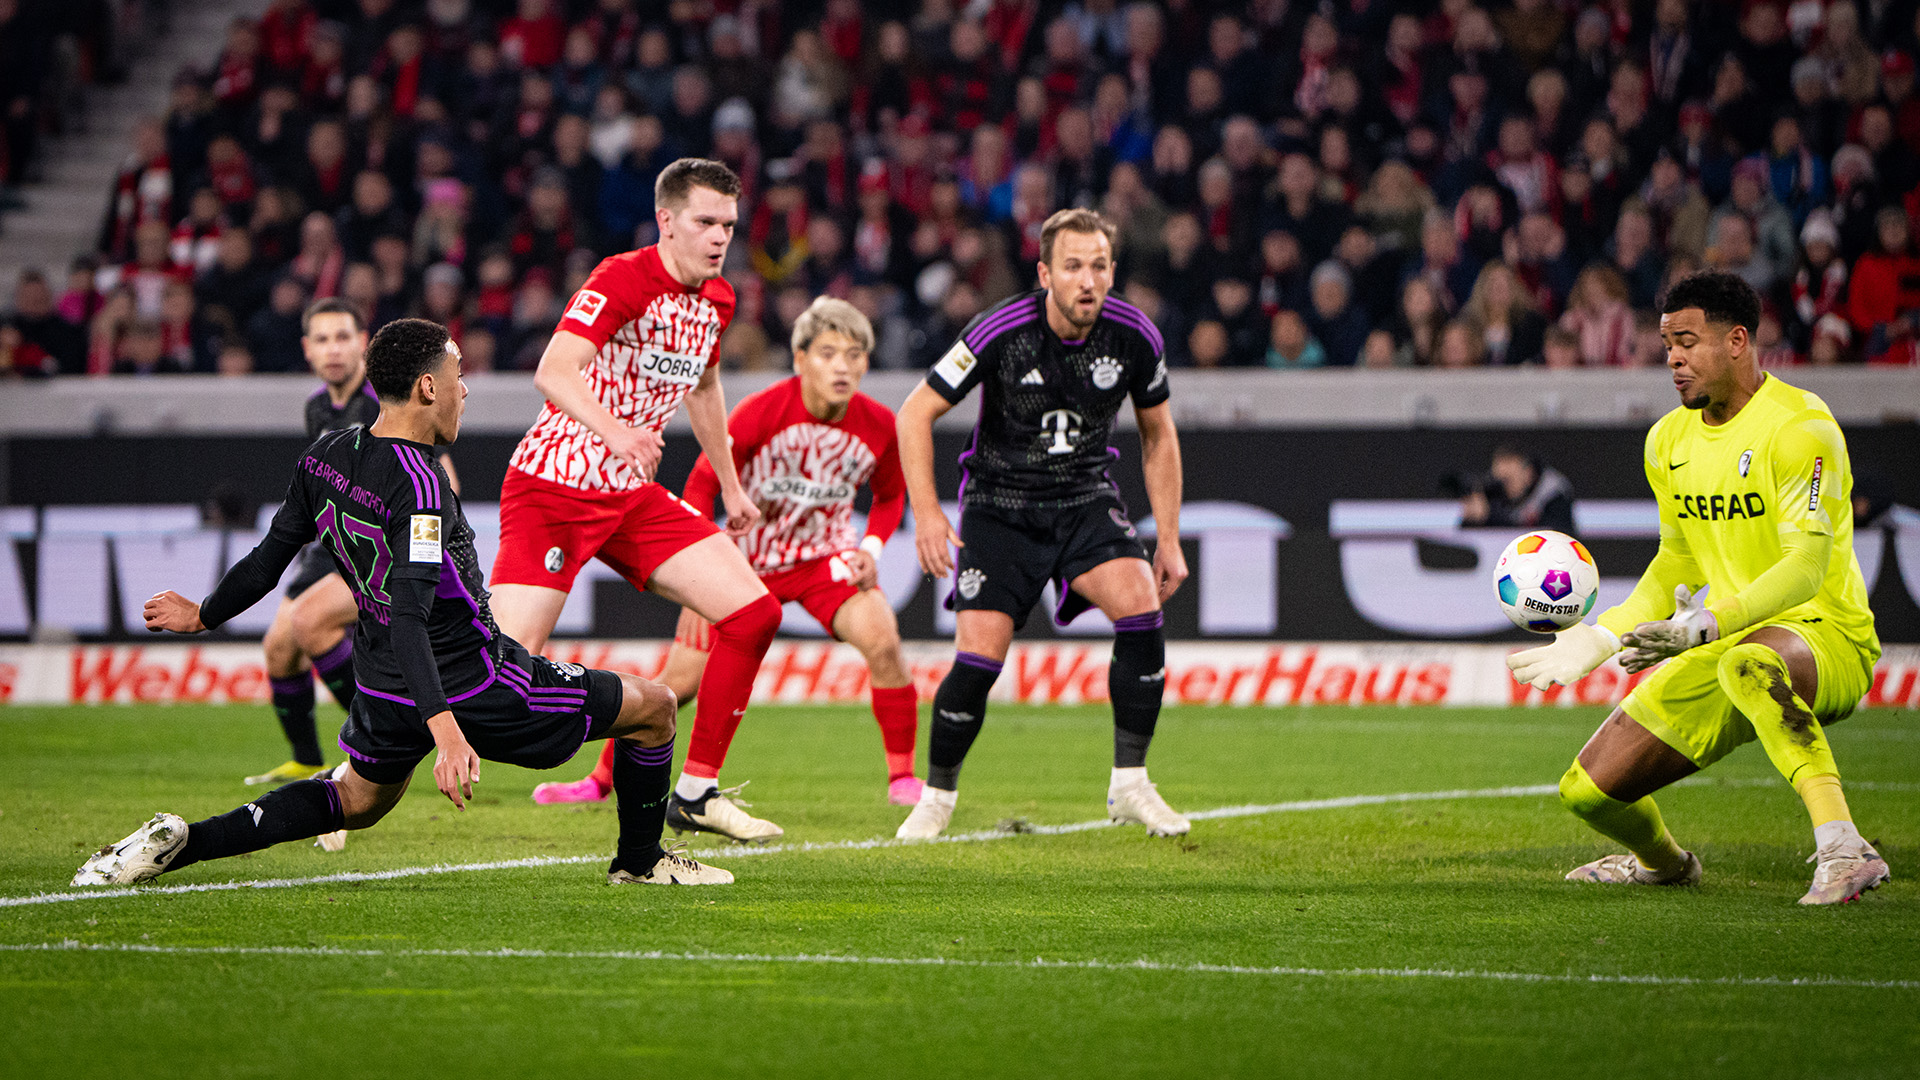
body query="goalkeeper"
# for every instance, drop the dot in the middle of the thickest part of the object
(1754, 601)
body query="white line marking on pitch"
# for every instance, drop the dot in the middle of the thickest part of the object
(1297, 806)
(773, 849)
(1035, 964)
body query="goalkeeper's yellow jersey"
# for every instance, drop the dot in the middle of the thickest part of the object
(1729, 495)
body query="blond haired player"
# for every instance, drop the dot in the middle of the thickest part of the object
(803, 448)
(1755, 495)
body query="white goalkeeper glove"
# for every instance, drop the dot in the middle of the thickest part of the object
(1691, 625)
(1575, 651)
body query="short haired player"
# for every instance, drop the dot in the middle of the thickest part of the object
(1037, 504)
(310, 630)
(803, 447)
(641, 336)
(1755, 494)
(434, 671)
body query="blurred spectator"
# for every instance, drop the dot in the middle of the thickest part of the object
(44, 343)
(1461, 346)
(1334, 319)
(142, 192)
(1598, 313)
(1289, 345)
(273, 334)
(1884, 300)
(1518, 491)
(1512, 330)
(1820, 284)
(235, 283)
(143, 352)
(1417, 323)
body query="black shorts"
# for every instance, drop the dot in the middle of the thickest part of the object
(316, 562)
(1010, 555)
(533, 713)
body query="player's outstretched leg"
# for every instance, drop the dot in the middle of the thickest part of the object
(296, 811)
(642, 768)
(959, 708)
(1756, 678)
(740, 642)
(1136, 679)
(1656, 859)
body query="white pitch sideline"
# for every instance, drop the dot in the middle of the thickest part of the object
(1252, 810)
(1035, 964)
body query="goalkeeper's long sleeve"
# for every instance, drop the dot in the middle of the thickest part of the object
(1652, 596)
(1786, 584)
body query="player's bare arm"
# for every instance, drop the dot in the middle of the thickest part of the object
(456, 768)
(1160, 461)
(932, 532)
(560, 378)
(706, 407)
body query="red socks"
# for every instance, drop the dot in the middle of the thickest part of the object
(602, 773)
(740, 642)
(897, 708)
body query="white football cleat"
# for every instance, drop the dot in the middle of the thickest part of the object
(1626, 870)
(675, 867)
(718, 812)
(1141, 804)
(1846, 870)
(930, 816)
(145, 852)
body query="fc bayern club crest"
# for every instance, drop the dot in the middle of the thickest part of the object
(970, 580)
(1106, 373)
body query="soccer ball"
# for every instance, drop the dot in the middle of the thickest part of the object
(1546, 581)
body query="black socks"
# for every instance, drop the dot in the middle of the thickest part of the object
(642, 777)
(958, 708)
(293, 705)
(296, 811)
(1135, 681)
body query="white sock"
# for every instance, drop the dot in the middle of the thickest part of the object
(693, 788)
(1126, 778)
(1834, 832)
(939, 797)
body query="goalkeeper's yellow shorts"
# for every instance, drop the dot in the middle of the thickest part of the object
(1682, 704)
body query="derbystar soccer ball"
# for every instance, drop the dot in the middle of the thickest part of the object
(1546, 581)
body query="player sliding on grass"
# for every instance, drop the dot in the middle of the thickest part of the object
(1037, 504)
(427, 646)
(641, 336)
(802, 448)
(1755, 495)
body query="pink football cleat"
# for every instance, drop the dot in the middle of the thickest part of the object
(905, 791)
(585, 789)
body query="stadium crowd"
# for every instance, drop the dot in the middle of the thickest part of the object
(1295, 185)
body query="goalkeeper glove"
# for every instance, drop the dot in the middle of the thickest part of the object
(1575, 651)
(1691, 625)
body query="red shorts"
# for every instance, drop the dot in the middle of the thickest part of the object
(548, 531)
(816, 586)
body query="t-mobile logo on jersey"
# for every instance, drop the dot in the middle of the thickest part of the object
(1064, 426)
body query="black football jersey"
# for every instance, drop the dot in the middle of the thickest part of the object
(1047, 405)
(361, 410)
(387, 513)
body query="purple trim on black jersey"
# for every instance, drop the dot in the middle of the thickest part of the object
(1017, 313)
(975, 660)
(426, 484)
(1075, 343)
(355, 754)
(1151, 620)
(492, 677)
(458, 591)
(1128, 315)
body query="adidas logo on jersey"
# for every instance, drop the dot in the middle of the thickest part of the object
(1032, 378)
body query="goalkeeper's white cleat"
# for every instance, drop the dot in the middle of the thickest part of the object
(1846, 871)
(931, 815)
(675, 867)
(145, 852)
(1140, 804)
(1626, 870)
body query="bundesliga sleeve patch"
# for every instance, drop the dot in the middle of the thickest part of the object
(586, 306)
(424, 542)
(954, 366)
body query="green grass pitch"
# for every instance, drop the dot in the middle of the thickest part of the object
(1430, 938)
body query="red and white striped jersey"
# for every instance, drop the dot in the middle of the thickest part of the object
(655, 338)
(802, 472)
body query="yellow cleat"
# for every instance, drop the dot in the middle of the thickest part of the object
(287, 773)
